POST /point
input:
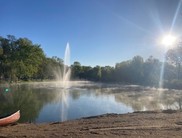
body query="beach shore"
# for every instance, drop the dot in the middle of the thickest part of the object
(153, 124)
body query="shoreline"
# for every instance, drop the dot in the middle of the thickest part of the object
(166, 123)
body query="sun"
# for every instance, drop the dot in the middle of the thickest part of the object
(169, 41)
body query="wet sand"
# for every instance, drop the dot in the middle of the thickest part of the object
(150, 124)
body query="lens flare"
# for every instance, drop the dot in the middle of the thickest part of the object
(168, 40)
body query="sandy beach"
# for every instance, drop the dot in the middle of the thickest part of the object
(152, 124)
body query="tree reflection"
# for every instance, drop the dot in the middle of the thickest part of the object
(150, 100)
(141, 98)
(29, 101)
(75, 94)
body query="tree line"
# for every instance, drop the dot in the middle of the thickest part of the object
(20, 59)
(134, 71)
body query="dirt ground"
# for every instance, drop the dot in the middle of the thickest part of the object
(150, 124)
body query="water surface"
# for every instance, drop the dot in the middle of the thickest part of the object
(50, 102)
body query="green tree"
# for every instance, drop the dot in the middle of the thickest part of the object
(122, 72)
(136, 69)
(152, 68)
(174, 57)
(76, 70)
(20, 58)
(86, 73)
(29, 56)
(96, 73)
(52, 68)
(107, 73)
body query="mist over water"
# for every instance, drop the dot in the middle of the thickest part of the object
(50, 102)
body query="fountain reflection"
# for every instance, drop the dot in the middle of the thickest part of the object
(50, 102)
(65, 84)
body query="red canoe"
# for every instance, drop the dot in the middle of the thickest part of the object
(10, 119)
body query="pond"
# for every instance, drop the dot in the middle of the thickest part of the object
(50, 102)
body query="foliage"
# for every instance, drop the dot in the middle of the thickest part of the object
(20, 59)
(151, 71)
(76, 70)
(174, 57)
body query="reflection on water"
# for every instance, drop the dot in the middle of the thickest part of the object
(44, 102)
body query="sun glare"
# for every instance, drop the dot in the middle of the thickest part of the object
(168, 41)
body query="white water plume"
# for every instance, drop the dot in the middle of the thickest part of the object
(64, 82)
(66, 70)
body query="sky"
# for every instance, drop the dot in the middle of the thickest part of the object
(99, 32)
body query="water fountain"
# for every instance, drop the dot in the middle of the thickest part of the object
(66, 70)
(65, 83)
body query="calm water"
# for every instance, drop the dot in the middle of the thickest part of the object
(50, 102)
